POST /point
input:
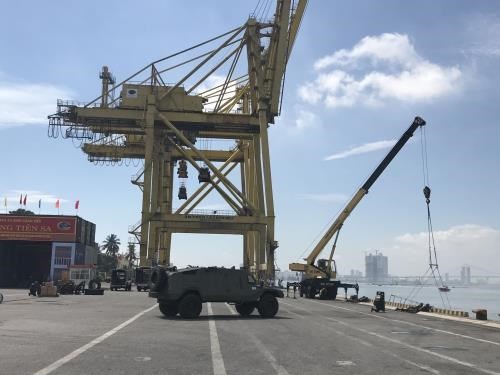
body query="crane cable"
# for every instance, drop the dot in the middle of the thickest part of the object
(433, 262)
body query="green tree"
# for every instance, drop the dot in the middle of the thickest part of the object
(105, 263)
(130, 256)
(111, 245)
(21, 211)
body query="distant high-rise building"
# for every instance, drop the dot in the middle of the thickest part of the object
(376, 267)
(465, 275)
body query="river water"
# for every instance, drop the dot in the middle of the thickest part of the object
(460, 298)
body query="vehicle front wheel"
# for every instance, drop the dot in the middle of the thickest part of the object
(268, 306)
(190, 306)
(245, 308)
(139, 289)
(169, 309)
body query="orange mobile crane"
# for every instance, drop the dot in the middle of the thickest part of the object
(320, 278)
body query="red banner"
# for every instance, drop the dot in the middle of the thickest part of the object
(37, 228)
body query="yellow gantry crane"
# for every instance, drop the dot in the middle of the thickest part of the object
(227, 89)
(320, 278)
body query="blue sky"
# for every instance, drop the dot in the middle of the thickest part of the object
(359, 73)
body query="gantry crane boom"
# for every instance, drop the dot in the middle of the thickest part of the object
(309, 268)
(283, 37)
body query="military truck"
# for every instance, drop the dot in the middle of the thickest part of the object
(142, 276)
(183, 291)
(120, 280)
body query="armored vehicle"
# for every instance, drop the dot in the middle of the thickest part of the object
(120, 280)
(142, 276)
(183, 291)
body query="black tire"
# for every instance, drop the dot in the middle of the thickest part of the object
(94, 284)
(323, 293)
(190, 306)
(311, 292)
(268, 306)
(1, 297)
(169, 309)
(332, 294)
(139, 289)
(158, 279)
(245, 308)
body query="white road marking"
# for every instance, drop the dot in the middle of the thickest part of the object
(442, 356)
(217, 360)
(84, 348)
(368, 344)
(412, 324)
(345, 363)
(280, 370)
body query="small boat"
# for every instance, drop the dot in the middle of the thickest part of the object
(444, 288)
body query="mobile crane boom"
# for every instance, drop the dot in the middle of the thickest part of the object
(310, 269)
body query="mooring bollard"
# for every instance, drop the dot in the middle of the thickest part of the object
(481, 314)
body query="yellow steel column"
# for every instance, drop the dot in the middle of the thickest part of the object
(166, 172)
(268, 186)
(148, 164)
(156, 180)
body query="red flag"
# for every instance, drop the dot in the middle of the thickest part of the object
(57, 203)
(24, 201)
(77, 204)
(21, 199)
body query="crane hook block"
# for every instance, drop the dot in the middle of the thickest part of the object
(427, 194)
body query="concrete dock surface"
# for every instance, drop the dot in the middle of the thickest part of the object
(125, 333)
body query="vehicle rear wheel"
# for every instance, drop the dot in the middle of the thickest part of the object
(190, 306)
(245, 308)
(332, 294)
(139, 289)
(323, 293)
(169, 309)
(268, 306)
(311, 292)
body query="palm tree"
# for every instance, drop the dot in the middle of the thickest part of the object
(130, 256)
(111, 245)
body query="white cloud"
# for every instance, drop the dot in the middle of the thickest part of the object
(378, 69)
(305, 120)
(332, 197)
(472, 244)
(484, 30)
(392, 48)
(28, 103)
(363, 149)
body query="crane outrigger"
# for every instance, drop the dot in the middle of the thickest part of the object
(320, 278)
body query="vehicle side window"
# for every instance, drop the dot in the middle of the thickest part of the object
(251, 280)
